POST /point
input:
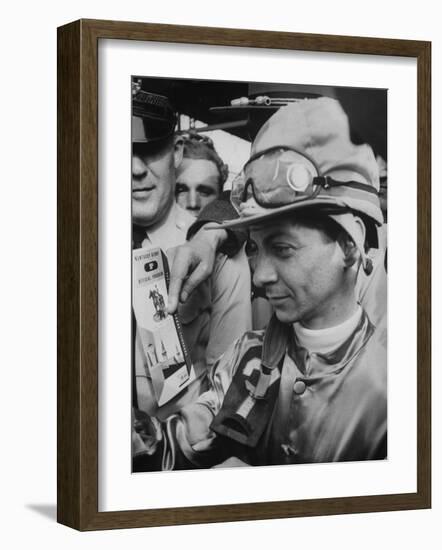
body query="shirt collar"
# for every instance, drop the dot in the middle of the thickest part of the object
(320, 364)
(328, 339)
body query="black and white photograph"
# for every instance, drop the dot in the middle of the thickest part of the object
(229, 217)
(259, 274)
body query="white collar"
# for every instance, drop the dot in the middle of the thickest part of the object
(327, 339)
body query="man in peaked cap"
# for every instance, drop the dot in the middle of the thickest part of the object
(221, 306)
(312, 386)
(156, 156)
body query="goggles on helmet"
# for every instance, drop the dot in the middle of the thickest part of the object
(281, 176)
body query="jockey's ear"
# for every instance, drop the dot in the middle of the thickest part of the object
(352, 241)
(351, 252)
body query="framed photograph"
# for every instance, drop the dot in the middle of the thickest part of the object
(243, 309)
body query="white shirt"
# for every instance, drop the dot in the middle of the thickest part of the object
(327, 339)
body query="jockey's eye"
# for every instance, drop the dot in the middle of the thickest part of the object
(251, 248)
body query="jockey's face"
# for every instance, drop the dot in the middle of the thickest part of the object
(302, 271)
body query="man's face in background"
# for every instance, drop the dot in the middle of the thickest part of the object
(197, 184)
(154, 167)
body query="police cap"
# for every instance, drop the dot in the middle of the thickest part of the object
(153, 117)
